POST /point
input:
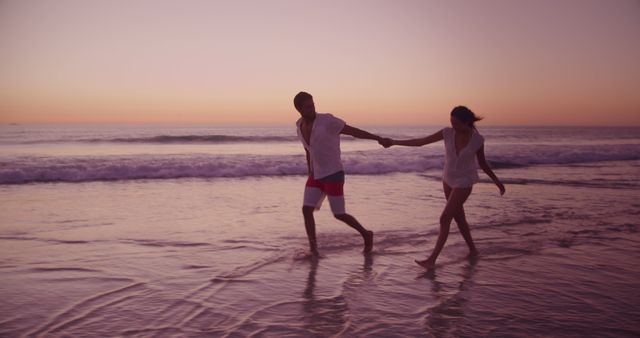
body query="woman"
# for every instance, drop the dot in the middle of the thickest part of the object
(463, 144)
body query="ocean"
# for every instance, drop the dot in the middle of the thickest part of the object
(197, 231)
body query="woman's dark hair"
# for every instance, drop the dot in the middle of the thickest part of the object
(466, 116)
(300, 98)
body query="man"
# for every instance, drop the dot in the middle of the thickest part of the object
(320, 136)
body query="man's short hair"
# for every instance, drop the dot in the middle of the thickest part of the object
(300, 98)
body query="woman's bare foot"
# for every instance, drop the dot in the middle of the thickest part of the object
(368, 242)
(427, 264)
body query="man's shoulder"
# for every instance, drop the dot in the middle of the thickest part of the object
(324, 115)
(328, 117)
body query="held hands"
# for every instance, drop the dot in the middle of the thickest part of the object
(386, 142)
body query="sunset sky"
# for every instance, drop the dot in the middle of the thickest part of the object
(543, 62)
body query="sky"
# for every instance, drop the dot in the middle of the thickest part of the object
(514, 62)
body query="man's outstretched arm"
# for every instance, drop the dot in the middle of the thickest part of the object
(358, 133)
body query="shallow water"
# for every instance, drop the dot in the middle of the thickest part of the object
(227, 257)
(196, 231)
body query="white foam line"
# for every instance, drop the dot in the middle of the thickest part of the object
(54, 323)
(206, 291)
(172, 311)
(249, 316)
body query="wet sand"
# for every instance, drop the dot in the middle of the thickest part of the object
(227, 257)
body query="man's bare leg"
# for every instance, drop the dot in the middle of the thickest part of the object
(310, 227)
(366, 234)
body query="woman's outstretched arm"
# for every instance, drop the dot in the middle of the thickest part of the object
(418, 142)
(482, 162)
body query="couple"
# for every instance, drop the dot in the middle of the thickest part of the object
(320, 136)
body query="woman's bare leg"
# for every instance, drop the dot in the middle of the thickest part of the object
(461, 220)
(455, 200)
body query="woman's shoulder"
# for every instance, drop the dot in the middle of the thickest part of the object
(479, 137)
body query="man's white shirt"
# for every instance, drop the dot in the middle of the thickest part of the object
(324, 150)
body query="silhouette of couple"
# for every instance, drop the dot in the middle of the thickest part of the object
(320, 136)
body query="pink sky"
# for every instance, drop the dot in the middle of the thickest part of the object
(568, 62)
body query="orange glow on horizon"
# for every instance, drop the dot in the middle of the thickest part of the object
(541, 63)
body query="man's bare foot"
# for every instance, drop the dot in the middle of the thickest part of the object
(473, 254)
(427, 264)
(368, 242)
(313, 247)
